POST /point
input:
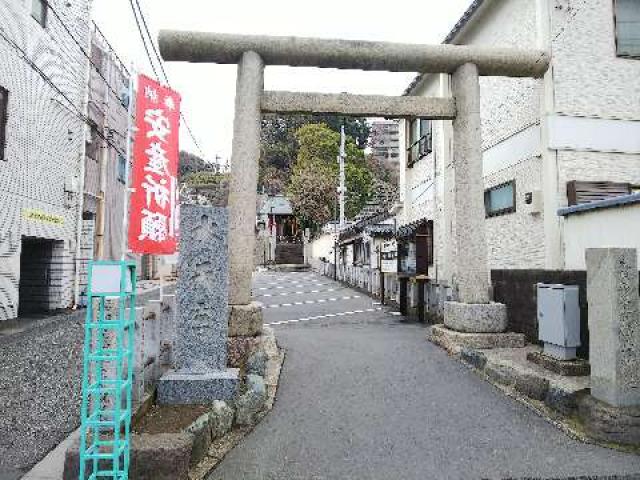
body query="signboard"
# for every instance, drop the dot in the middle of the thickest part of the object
(153, 221)
(107, 278)
(389, 257)
(40, 216)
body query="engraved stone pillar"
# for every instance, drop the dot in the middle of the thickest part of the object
(614, 325)
(200, 375)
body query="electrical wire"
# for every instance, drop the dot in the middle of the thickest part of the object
(134, 4)
(86, 54)
(144, 43)
(74, 110)
(115, 54)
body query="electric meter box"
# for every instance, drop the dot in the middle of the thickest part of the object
(559, 320)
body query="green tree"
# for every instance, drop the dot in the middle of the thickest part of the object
(280, 144)
(314, 179)
(203, 178)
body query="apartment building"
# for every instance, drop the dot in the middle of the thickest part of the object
(567, 139)
(43, 89)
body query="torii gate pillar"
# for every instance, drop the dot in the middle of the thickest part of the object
(245, 318)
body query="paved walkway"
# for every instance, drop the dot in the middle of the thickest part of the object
(363, 396)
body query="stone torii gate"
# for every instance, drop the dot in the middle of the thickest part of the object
(472, 312)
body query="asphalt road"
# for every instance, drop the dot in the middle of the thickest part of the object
(364, 396)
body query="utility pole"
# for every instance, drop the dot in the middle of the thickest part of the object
(127, 183)
(104, 161)
(342, 189)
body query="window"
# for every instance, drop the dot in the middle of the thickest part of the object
(500, 199)
(93, 144)
(627, 18)
(420, 140)
(122, 169)
(4, 103)
(39, 11)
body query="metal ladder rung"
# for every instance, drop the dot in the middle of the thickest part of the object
(92, 421)
(94, 389)
(108, 357)
(106, 474)
(111, 325)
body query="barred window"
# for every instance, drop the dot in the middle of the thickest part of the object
(420, 140)
(627, 17)
(500, 199)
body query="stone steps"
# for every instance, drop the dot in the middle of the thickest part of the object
(289, 253)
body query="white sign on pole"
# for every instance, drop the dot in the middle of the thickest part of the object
(106, 279)
(389, 257)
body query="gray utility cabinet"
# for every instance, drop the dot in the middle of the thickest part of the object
(559, 320)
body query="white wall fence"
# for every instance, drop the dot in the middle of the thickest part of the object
(368, 279)
(430, 306)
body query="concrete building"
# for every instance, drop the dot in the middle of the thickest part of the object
(105, 166)
(385, 141)
(547, 144)
(43, 85)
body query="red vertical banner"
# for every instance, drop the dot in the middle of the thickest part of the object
(153, 221)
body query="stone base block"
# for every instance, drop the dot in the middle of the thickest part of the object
(239, 349)
(450, 339)
(610, 424)
(571, 368)
(177, 388)
(162, 456)
(475, 317)
(245, 320)
(560, 353)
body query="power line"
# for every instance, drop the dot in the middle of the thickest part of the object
(85, 53)
(153, 44)
(115, 54)
(47, 79)
(159, 60)
(144, 43)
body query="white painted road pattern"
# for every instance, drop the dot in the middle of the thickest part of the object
(297, 292)
(318, 317)
(310, 302)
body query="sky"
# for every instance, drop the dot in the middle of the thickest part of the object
(208, 90)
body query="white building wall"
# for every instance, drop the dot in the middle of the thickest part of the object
(584, 230)
(44, 140)
(588, 89)
(511, 144)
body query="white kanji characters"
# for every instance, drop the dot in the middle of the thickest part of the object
(170, 103)
(153, 226)
(158, 160)
(151, 94)
(159, 123)
(157, 190)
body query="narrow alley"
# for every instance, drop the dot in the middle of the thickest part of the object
(364, 396)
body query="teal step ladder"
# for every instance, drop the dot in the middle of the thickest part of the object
(105, 430)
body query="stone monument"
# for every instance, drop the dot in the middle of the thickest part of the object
(612, 412)
(614, 325)
(200, 373)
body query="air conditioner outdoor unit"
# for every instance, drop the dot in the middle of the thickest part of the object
(559, 320)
